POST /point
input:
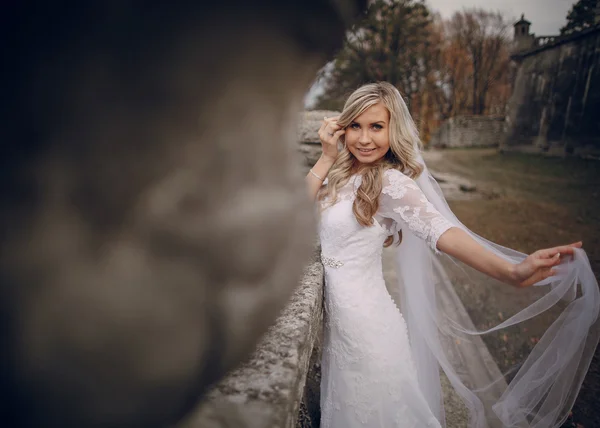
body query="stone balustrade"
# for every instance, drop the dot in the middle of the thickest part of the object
(545, 40)
(278, 385)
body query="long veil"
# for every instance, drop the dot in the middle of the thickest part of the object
(536, 389)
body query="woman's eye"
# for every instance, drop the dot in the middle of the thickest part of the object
(354, 126)
(377, 127)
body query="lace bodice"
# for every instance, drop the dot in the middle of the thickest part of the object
(401, 204)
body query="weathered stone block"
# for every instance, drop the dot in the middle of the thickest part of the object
(469, 131)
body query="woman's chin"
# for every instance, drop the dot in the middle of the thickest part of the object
(367, 159)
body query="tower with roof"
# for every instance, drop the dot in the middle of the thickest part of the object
(523, 39)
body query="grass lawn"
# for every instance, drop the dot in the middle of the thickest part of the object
(534, 202)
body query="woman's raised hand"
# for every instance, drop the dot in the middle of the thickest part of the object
(329, 134)
(539, 265)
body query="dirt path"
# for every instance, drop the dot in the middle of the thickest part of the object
(532, 202)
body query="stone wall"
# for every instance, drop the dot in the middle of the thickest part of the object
(556, 96)
(469, 131)
(278, 385)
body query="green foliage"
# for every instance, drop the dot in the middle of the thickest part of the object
(580, 17)
(391, 43)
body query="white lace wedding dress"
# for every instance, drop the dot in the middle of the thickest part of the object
(368, 374)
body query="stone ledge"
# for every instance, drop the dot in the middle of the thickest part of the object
(267, 390)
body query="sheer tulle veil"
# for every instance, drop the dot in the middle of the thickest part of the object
(540, 388)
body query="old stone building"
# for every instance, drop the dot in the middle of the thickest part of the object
(469, 131)
(556, 92)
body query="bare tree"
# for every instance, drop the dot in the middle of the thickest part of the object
(483, 37)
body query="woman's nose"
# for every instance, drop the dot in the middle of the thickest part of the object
(364, 137)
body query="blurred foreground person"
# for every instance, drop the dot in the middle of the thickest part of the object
(152, 219)
(381, 365)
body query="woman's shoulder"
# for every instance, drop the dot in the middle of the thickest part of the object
(396, 183)
(393, 175)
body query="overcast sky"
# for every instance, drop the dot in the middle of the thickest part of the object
(546, 16)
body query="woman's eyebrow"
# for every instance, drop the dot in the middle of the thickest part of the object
(372, 123)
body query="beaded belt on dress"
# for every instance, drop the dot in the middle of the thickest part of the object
(331, 262)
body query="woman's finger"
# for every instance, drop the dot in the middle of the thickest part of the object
(333, 125)
(550, 261)
(333, 137)
(564, 249)
(529, 281)
(337, 134)
(536, 277)
(331, 130)
(329, 120)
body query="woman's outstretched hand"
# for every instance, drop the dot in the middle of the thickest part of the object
(539, 265)
(329, 134)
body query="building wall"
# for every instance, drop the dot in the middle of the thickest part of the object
(556, 97)
(469, 131)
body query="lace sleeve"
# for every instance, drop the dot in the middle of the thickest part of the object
(402, 201)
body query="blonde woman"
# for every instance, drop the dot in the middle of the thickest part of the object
(380, 365)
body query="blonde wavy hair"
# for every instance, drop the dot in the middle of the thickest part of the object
(402, 155)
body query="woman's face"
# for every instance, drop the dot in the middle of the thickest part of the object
(367, 137)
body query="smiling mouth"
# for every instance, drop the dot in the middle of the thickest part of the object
(365, 150)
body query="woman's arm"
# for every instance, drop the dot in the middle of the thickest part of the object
(320, 169)
(402, 200)
(329, 134)
(457, 243)
(536, 267)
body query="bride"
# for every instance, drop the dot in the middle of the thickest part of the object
(381, 365)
